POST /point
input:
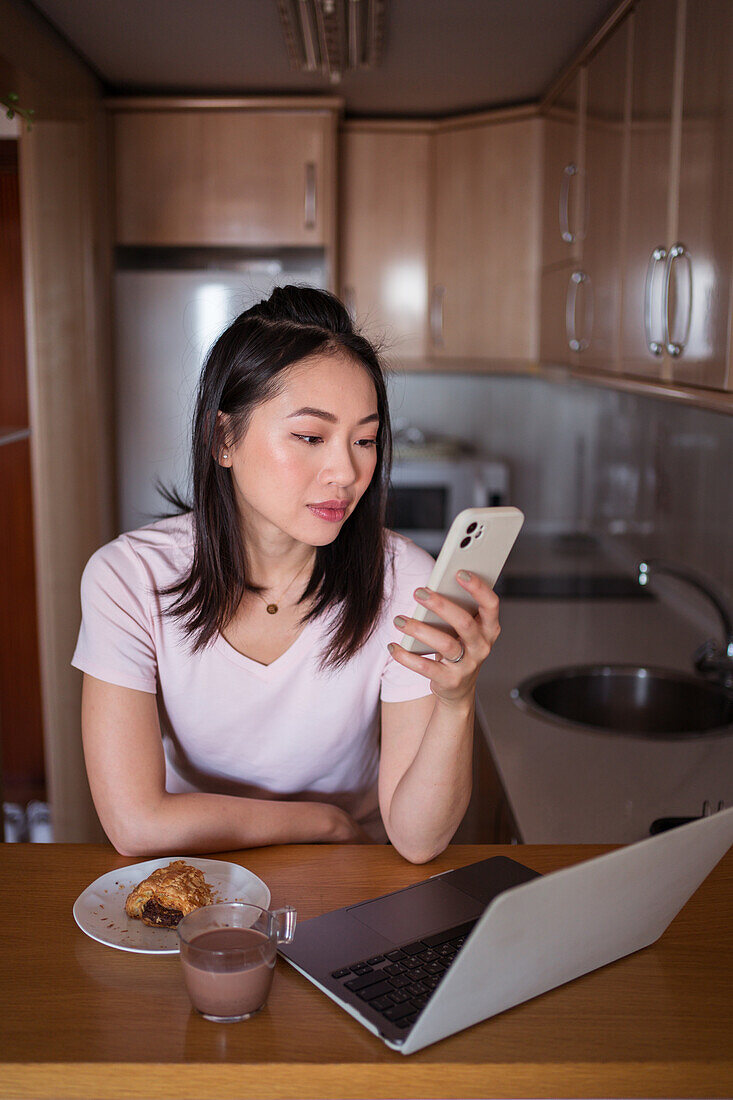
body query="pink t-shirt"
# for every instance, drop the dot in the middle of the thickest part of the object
(231, 725)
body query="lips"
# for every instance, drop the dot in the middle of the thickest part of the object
(333, 511)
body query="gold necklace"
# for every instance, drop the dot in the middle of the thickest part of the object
(272, 608)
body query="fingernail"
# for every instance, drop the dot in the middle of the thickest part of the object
(400, 621)
(463, 575)
(390, 647)
(422, 593)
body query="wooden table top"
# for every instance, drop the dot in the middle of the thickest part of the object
(80, 1019)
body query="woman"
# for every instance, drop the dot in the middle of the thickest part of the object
(239, 657)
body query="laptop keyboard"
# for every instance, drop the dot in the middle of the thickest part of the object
(400, 983)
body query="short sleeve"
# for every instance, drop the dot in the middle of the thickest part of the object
(115, 640)
(412, 568)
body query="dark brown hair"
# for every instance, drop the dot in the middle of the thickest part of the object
(246, 366)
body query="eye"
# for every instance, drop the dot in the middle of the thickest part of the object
(312, 440)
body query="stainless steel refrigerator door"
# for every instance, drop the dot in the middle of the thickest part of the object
(165, 323)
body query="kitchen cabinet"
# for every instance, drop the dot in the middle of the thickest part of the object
(677, 269)
(489, 818)
(487, 239)
(209, 175)
(650, 224)
(563, 195)
(458, 215)
(584, 156)
(384, 203)
(700, 298)
(598, 280)
(644, 289)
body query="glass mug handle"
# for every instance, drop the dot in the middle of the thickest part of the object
(283, 923)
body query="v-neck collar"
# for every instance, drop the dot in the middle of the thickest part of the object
(263, 672)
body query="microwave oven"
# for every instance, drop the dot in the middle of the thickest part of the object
(426, 494)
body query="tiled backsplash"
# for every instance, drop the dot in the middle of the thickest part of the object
(654, 477)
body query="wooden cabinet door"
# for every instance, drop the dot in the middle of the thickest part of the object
(487, 240)
(563, 192)
(384, 181)
(650, 202)
(603, 159)
(223, 177)
(700, 283)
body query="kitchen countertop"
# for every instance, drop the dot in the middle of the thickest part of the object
(565, 785)
(83, 1020)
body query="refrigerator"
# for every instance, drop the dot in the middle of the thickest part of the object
(168, 311)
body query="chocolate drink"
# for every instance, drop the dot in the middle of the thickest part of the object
(234, 983)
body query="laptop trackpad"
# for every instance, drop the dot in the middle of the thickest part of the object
(416, 912)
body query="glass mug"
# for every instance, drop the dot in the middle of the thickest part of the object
(228, 953)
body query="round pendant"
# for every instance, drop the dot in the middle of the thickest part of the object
(271, 608)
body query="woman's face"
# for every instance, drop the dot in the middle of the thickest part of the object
(303, 472)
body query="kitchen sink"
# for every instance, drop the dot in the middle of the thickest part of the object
(628, 699)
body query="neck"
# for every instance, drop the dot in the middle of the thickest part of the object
(272, 557)
(277, 571)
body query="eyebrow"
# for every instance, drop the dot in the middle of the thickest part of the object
(323, 415)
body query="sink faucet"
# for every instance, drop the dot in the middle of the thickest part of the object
(708, 658)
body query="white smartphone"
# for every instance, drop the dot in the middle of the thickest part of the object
(479, 540)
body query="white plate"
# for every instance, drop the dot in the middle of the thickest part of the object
(100, 909)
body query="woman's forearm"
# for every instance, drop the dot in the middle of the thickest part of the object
(430, 800)
(199, 822)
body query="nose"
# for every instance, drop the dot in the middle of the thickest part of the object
(341, 465)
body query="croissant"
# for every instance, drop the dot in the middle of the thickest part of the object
(167, 895)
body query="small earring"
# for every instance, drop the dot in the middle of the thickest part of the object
(225, 455)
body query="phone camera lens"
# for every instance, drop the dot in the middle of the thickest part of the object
(465, 542)
(471, 527)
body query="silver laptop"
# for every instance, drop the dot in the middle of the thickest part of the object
(422, 963)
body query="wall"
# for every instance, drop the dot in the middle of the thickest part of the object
(651, 477)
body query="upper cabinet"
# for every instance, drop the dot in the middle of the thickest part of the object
(487, 239)
(384, 205)
(583, 193)
(219, 176)
(562, 207)
(439, 257)
(700, 271)
(583, 198)
(594, 318)
(645, 206)
(679, 244)
(651, 173)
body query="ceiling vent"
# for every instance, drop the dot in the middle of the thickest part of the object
(333, 36)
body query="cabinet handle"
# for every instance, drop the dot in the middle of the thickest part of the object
(310, 195)
(569, 171)
(659, 254)
(571, 300)
(436, 316)
(676, 252)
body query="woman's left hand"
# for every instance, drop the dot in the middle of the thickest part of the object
(453, 681)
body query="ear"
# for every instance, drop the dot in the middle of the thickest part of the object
(221, 447)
